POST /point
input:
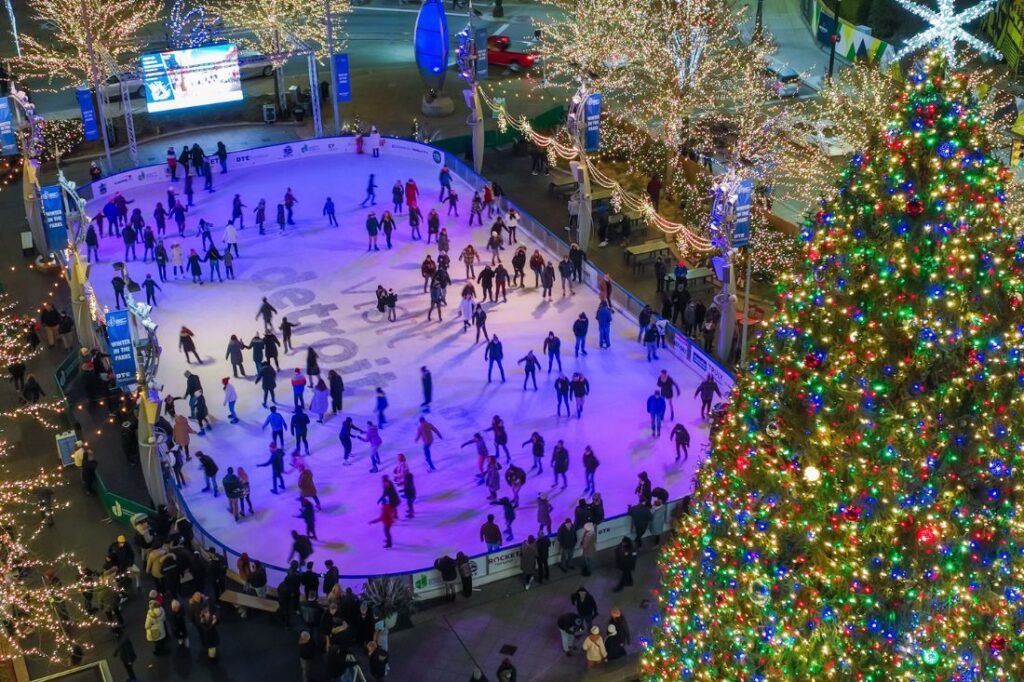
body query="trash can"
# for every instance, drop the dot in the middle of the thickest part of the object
(299, 114)
(269, 113)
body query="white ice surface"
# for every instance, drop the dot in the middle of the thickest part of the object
(314, 270)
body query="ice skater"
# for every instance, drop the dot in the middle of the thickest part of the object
(267, 379)
(562, 388)
(681, 437)
(271, 344)
(415, 218)
(267, 312)
(151, 287)
(453, 202)
(289, 204)
(519, 267)
(492, 478)
(707, 390)
(425, 433)
(230, 398)
(427, 269)
(345, 436)
(501, 280)
(236, 211)
(318, 403)
(476, 208)
(372, 228)
(444, 178)
(565, 273)
(560, 464)
(668, 387)
(511, 225)
(372, 437)
(580, 389)
(494, 246)
(481, 454)
(500, 438)
(195, 267)
(604, 325)
(480, 321)
(553, 349)
(329, 212)
(412, 193)
(493, 354)
(387, 226)
(436, 300)
(388, 513)
(299, 428)
(380, 406)
(536, 443)
(515, 477)
(298, 388)
(308, 516)
(276, 464)
(530, 365)
(276, 423)
(433, 225)
(427, 384)
(187, 344)
(281, 218)
(469, 258)
(260, 214)
(371, 193)
(231, 239)
(590, 464)
(234, 355)
(486, 280)
(286, 333)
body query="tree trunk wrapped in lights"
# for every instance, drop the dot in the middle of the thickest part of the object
(63, 55)
(858, 518)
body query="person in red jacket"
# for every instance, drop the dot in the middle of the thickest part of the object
(411, 192)
(387, 518)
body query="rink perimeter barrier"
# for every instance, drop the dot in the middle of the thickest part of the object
(487, 567)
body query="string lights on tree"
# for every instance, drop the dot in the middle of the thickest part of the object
(63, 54)
(272, 23)
(189, 25)
(858, 516)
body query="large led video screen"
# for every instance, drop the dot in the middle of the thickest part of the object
(179, 79)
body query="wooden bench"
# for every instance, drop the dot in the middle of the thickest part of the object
(248, 601)
(234, 577)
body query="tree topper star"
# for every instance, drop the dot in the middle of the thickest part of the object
(946, 28)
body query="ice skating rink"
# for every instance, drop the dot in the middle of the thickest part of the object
(324, 279)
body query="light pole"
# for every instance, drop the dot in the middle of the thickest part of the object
(834, 39)
(334, 75)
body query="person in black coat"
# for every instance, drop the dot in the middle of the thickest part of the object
(625, 561)
(271, 344)
(125, 652)
(378, 661)
(32, 391)
(267, 379)
(585, 605)
(427, 382)
(337, 389)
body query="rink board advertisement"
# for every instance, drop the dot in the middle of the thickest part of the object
(180, 79)
(8, 138)
(122, 353)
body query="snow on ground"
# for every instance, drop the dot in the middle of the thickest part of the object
(323, 278)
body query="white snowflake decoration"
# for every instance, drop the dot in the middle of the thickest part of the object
(946, 28)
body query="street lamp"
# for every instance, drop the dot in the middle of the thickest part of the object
(834, 40)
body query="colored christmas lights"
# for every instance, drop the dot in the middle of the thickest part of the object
(858, 516)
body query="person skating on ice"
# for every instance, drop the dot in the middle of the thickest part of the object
(391, 302)
(519, 267)
(276, 423)
(493, 354)
(236, 211)
(386, 518)
(427, 384)
(281, 218)
(669, 388)
(604, 325)
(481, 454)
(151, 287)
(433, 225)
(186, 342)
(469, 258)
(425, 433)
(371, 193)
(444, 178)
(345, 436)
(486, 280)
(230, 239)
(234, 356)
(308, 516)
(387, 226)
(530, 365)
(453, 202)
(560, 464)
(436, 300)
(537, 266)
(299, 428)
(397, 196)
(427, 269)
(501, 280)
(329, 212)
(515, 477)
(579, 331)
(681, 437)
(286, 328)
(372, 437)
(289, 204)
(565, 274)
(372, 228)
(494, 247)
(230, 398)
(480, 321)
(476, 208)
(298, 388)
(271, 346)
(580, 387)
(707, 390)
(260, 214)
(590, 464)
(466, 308)
(443, 242)
(195, 267)
(492, 478)
(412, 193)
(267, 312)
(415, 218)
(500, 437)
(547, 280)
(267, 379)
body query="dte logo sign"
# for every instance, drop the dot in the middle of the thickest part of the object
(241, 157)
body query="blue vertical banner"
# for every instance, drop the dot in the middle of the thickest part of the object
(54, 221)
(84, 96)
(592, 116)
(741, 227)
(122, 352)
(8, 137)
(481, 53)
(342, 84)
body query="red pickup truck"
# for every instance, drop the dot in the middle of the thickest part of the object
(499, 54)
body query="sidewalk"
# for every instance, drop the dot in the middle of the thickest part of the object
(796, 45)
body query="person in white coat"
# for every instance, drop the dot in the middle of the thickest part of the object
(466, 310)
(230, 398)
(375, 142)
(156, 628)
(231, 238)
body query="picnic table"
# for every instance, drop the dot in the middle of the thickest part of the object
(693, 276)
(640, 254)
(562, 182)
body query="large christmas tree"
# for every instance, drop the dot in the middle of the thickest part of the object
(859, 518)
